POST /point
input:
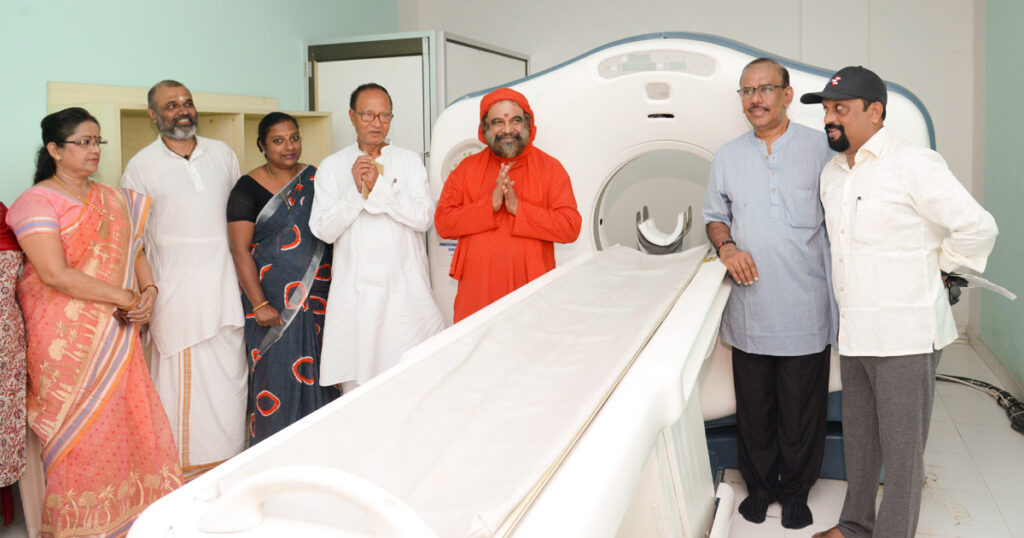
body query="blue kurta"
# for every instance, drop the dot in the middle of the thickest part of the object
(770, 203)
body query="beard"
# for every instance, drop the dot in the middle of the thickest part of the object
(841, 143)
(175, 131)
(509, 149)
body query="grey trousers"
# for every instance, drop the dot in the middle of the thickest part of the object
(887, 408)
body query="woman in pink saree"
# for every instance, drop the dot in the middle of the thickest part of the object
(107, 446)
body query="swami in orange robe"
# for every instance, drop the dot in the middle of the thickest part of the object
(497, 251)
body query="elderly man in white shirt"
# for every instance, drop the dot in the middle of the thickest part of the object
(372, 201)
(896, 217)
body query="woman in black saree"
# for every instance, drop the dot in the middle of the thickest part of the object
(284, 272)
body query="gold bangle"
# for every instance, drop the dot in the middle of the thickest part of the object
(259, 306)
(147, 286)
(132, 304)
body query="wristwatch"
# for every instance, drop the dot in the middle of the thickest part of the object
(722, 244)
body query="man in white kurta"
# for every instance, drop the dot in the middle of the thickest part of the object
(372, 202)
(198, 354)
(897, 219)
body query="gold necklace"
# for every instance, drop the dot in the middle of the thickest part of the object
(85, 201)
(281, 190)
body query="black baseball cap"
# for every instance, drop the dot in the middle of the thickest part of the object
(853, 82)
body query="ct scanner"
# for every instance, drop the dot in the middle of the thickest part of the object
(636, 123)
(574, 406)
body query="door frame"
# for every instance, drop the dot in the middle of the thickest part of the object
(429, 45)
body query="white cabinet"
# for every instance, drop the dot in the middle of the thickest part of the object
(232, 119)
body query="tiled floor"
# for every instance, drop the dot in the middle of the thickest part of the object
(974, 485)
(975, 470)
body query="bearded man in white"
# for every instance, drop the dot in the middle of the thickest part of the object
(198, 353)
(372, 201)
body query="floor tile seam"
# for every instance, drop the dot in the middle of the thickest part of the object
(986, 491)
(974, 459)
(959, 437)
(938, 451)
(977, 472)
(1006, 519)
(992, 429)
(992, 499)
(975, 423)
(974, 395)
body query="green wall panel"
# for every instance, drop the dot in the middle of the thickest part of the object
(1002, 321)
(246, 47)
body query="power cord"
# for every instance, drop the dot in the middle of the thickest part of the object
(1014, 408)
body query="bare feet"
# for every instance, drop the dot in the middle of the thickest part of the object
(831, 533)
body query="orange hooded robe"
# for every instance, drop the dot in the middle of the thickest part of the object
(497, 251)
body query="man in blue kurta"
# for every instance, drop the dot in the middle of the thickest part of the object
(765, 220)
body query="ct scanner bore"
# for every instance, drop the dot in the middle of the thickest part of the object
(666, 181)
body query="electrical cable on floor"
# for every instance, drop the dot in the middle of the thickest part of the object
(1014, 408)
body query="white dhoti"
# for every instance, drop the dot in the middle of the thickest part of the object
(203, 389)
(197, 356)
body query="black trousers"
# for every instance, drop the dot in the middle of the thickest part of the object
(780, 422)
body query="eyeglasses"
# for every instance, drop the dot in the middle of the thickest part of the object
(384, 117)
(766, 90)
(85, 142)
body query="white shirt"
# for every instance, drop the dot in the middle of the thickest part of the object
(186, 240)
(380, 303)
(894, 220)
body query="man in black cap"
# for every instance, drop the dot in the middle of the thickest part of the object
(896, 218)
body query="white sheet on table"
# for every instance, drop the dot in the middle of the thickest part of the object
(464, 434)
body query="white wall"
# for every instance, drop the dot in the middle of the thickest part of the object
(927, 46)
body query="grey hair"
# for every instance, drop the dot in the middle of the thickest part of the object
(151, 96)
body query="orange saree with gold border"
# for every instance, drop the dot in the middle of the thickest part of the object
(107, 446)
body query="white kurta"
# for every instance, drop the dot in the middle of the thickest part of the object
(196, 330)
(896, 219)
(380, 303)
